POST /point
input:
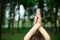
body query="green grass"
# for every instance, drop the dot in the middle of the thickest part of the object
(55, 37)
(20, 36)
(14, 37)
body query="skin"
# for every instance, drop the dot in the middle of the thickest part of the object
(37, 18)
(37, 26)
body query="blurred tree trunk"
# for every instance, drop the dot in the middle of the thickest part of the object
(55, 23)
(54, 11)
(1, 14)
(55, 17)
(12, 15)
(53, 14)
(9, 24)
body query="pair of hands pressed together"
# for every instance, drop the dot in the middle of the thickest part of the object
(37, 19)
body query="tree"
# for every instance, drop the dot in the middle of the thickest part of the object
(53, 5)
(12, 15)
(56, 6)
(1, 14)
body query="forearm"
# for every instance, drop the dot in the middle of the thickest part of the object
(44, 33)
(31, 32)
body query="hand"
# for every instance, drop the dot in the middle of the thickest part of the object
(37, 18)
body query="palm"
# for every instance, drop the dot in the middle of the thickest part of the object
(37, 18)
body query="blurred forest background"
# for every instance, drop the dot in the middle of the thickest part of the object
(17, 16)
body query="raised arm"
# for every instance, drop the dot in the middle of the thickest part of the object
(44, 33)
(32, 31)
(41, 29)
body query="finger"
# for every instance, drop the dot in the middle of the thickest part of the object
(39, 19)
(38, 12)
(35, 20)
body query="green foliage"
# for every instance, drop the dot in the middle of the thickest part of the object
(31, 2)
(49, 1)
(28, 3)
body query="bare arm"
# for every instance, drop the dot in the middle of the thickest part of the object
(44, 33)
(41, 29)
(32, 31)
